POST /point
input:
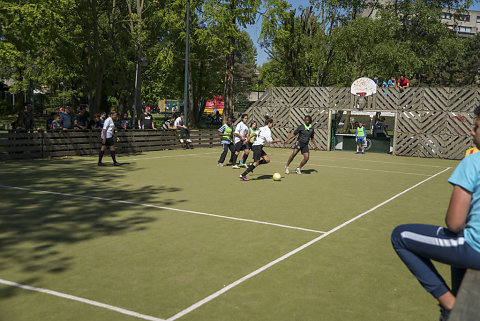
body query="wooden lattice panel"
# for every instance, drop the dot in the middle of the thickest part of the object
(386, 99)
(436, 98)
(340, 98)
(291, 97)
(419, 122)
(410, 99)
(320, 97)
(406, 144)
(458, 124)
(463, 99)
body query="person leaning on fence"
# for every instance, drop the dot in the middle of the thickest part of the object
(80, 121)
(125, 123)
(55, 125)
(457, 245)
(184, 131)
(226, 134)
(361, 137)
(66, 119)
(108, 139)
(25, 120)
(146, 120)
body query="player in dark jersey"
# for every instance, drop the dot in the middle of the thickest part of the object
(305, 134)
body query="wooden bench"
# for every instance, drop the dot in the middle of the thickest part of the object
(77, 143)
(467, 305)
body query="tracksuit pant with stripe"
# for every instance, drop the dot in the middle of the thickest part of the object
(418, 244)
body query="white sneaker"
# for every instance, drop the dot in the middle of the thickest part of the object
(220, 165)
(298, 171)
(286, 170)
(181, 141)
(189, 140)
(235, 167)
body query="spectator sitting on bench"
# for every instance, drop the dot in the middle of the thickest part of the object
(81, 120)
(458, 244)
(125, 123)
(55, 125)
(169, 123)
(184, 131)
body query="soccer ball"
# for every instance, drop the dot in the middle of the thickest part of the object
(277, 177)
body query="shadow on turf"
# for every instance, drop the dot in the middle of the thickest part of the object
(36, 228)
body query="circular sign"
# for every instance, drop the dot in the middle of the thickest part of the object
(363, 87)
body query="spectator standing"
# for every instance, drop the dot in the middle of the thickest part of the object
(125, 123)
(360, 138)
(107, 137)
(169, 123)
(101, 121)
(66, 119)
(25, 120)
(375, 80)
(392, 83)
(403, 83)
(55, 125)
(81, 120)
(146, 120)
(184, 131)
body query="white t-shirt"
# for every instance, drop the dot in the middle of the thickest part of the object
(178, 122)
(109, 126)
(264, 135)
(242, 129)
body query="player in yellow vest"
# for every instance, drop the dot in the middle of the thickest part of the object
(361, 137)
(226, 134)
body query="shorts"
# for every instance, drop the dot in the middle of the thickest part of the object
(249, 145)
(361, 141)
(108, 142)
(239, 146)
(258, 152)
(301, 147)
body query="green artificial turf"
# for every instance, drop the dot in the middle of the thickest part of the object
(158, 262)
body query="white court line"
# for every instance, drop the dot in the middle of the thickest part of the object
(159, 207)
(372, 161)
(79, 299)
(355, 168)
(295, 251)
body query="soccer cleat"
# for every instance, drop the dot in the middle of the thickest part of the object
(287, 171)
(181, 141)
(363, 152)
(101, 164)
(244, 178)
(444, 313)
(298, 171)
(117, 164)
(244, 165)
(220, 165)
(236, 167)
(357, 152)
(189, 140)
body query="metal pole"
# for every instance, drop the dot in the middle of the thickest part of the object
(135, 96)
(185, 93)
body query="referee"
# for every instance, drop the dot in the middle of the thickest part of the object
(108, 132)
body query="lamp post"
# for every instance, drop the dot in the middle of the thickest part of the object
(185, 92)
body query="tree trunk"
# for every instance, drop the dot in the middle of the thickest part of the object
(192, 109)
(228, 89)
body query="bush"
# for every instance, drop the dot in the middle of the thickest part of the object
(5, 108)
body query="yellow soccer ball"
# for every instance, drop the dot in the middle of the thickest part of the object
(277, 177)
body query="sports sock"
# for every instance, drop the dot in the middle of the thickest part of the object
(234, 159)
(263, 161)
(100, 156)
(245, 158)
(112, 153)
(248, 170)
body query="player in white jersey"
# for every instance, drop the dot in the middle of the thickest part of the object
(263, 136)
(107, 137)
(241, 139)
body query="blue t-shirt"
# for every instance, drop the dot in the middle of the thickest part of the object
(391, 83)
(467, 176)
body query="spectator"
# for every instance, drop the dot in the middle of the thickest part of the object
(169, 123)
(66, 119)
(125, 123)
(101, 121)
(25, 120)
(55, 125)
(184, 131)
(48, 123)
(379, 130)
(146, 120)
(403, 83)
(81, 120)
(375, 80)
(392, 83)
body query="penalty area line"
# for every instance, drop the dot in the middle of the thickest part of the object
(82, 300)
(161, 207)
(295, 251)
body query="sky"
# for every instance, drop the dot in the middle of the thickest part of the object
(254, 30)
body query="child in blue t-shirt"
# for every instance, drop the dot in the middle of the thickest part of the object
(458, 245)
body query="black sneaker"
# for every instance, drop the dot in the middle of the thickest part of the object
(444, 313)
(101, 164)
(117, 164)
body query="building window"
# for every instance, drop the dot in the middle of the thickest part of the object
(478, 19)
(446, 15)
(463, 17)
(465, 29)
